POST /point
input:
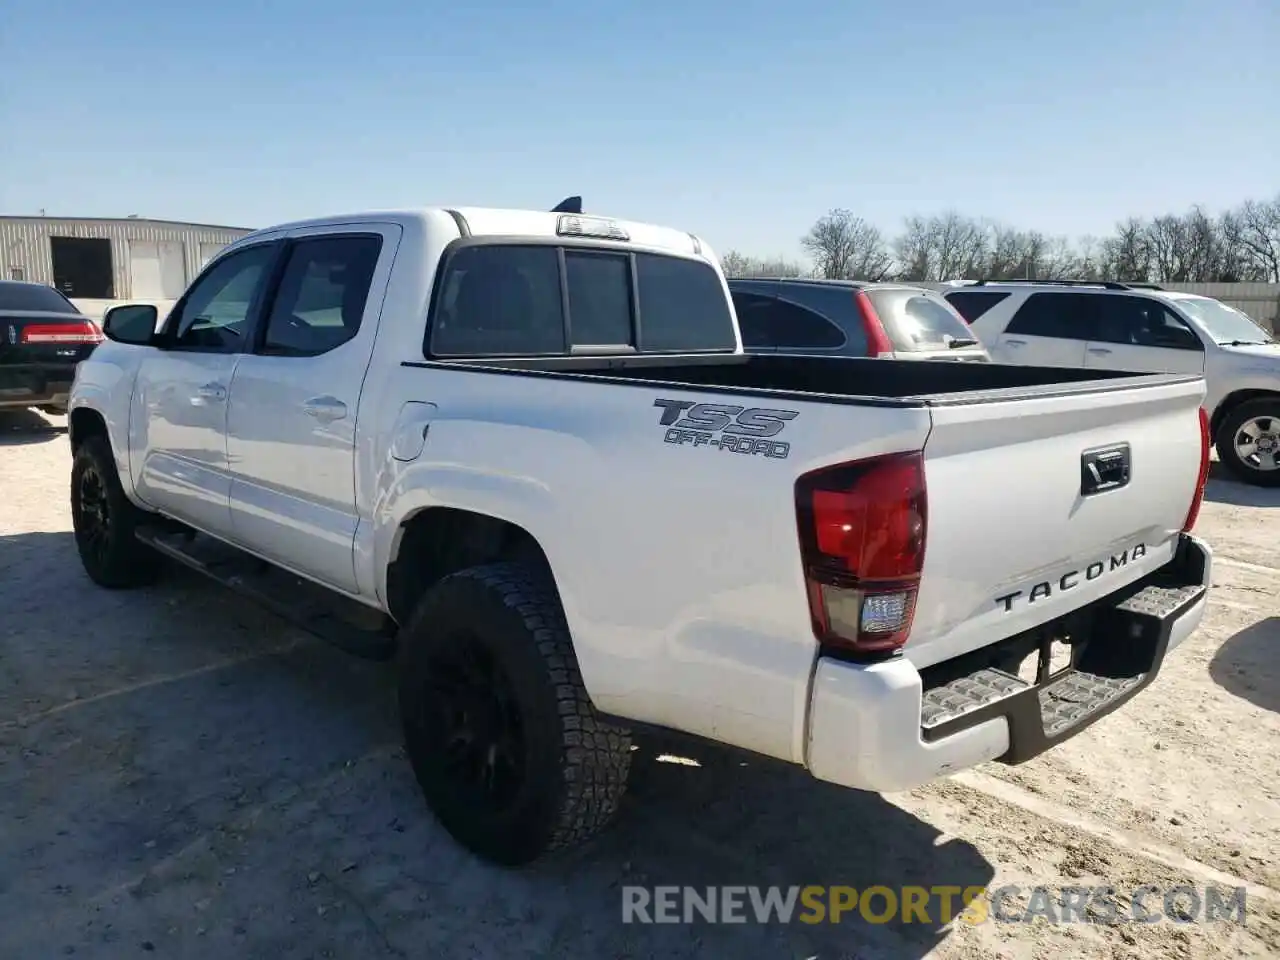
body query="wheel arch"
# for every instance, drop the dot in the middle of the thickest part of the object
(83, 423)
(1233, 400)
(435, 541)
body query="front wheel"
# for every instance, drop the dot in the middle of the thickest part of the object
(105, 521)
(1248, 442)
(503, 739)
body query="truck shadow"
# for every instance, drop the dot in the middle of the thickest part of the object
(702, 815)
(1248, 664)
(1224, 488)
(183, 745)
(19, 427)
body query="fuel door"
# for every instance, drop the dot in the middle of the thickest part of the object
(410, 432)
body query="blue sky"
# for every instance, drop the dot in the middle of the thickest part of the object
(741, 121)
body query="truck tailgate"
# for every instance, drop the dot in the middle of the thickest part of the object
(1017, 535)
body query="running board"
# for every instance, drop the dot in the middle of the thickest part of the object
(352, 627)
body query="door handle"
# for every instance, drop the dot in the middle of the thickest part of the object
(325, 409)
(1099, 351)
(211, 391)
(1015, 343)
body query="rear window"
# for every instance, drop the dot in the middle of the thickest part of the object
(34, 297)
(509, 300)
(973, 304)
(918, 321)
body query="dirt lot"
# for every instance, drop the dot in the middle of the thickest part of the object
(182, 775)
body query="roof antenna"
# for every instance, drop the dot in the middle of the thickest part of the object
(568, 205)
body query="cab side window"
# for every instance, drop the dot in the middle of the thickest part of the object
(215, 315)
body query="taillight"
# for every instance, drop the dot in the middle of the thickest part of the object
(79, 331)
(1198, 497)
(862, 536)
(877, 340)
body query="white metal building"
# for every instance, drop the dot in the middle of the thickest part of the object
(103, 259)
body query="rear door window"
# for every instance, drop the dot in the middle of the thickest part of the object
(971, 304)
(915, 320)
(509, 300)
(777, 324)
(320, 301)
(1063, 316)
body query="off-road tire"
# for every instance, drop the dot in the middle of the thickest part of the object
(575, 764)
(119, 560)
(1224, 441)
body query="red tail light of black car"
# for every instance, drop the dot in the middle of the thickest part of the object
(71, 331)
(862, 539)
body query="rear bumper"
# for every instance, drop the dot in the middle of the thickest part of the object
(36, 384)
(885, 727)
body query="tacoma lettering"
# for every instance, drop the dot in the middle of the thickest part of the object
(1071, 579)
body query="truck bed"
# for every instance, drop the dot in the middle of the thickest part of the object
(832, 379)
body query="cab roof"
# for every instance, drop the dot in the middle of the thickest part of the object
(510, 222)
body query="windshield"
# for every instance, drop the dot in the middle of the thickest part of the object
(34, 297)
(916, 320)
(1225, 324)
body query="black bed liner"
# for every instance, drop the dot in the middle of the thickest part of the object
(849, 380)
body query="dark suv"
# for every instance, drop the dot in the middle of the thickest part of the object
(851, 319)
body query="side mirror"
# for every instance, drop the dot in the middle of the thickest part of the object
(131, 323)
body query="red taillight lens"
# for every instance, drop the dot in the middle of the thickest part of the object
(80, 331)
(862, 539)
(1198, 497)
(877, 340)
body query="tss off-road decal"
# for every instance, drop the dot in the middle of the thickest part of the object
(726, 426)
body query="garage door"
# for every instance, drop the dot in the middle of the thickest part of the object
(156, 270)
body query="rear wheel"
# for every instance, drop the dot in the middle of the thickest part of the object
(508, 750)
(1248, 442)
(104, 521)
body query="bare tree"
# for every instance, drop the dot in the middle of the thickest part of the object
(735, 264)
(845, 247)
(1259, 236)
(945, 247)
(1239, 245)
(961, 246)
(1127, 254)
(915, 250)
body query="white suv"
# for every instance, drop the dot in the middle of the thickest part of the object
(1139, 327)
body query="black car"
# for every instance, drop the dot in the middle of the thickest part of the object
(42, 338)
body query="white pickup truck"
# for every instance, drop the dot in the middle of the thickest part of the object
(524, 453)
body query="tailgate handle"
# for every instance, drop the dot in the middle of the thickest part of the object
(1106, 468)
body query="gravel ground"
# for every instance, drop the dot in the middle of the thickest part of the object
(183, 775)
